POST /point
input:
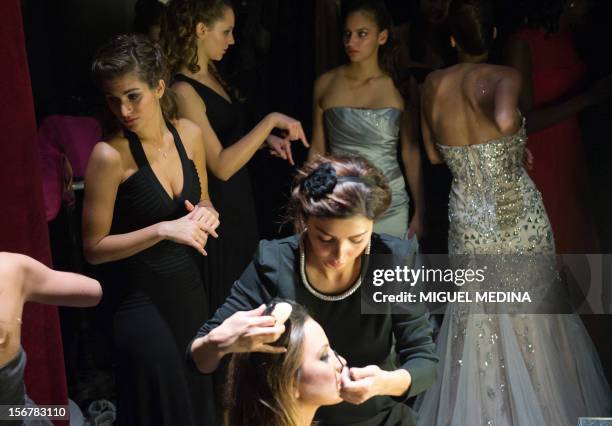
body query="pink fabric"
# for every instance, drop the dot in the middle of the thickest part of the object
(61, 140)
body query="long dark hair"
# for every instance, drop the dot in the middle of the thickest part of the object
(132, 53)
(471, 23)
(388, 52)
(261, 386)
(178, 36)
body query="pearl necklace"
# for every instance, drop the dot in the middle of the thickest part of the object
(318, 294)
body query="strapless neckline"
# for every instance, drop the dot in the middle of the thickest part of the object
(361, 109)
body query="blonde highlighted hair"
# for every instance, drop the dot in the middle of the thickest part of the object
(261, 387)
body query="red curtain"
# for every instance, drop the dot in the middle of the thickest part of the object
(23, 228)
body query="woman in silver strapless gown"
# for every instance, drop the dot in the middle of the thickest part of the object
(507, 369)
(503, 369)
(373, 134)
(358, 110)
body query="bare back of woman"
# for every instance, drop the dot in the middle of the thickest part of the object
(469, 104)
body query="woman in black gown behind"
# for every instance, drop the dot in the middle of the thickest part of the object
(141, 188)
(195, 33)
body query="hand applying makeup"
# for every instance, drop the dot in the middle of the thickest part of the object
(361, 384)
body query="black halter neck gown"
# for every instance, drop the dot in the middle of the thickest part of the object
(228, 255)
(159, 303)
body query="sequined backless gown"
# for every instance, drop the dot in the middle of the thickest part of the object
(374, 135)
(518, 370)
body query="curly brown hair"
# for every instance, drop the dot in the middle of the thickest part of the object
(178, 37)
(364, 191)
(132, 53)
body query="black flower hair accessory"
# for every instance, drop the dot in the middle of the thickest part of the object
(320, 182)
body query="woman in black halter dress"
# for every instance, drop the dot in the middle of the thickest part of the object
(204, 99)
(141, 189)
(238, 237)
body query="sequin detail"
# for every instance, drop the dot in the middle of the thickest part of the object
(494, 206)
(495, 209)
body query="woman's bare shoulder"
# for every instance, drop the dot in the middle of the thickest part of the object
(330, 78)
(14, 267)
(108, 157)
(11, 263)
(108, 151)
(327, 86)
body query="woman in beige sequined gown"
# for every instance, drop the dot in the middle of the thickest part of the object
(498, 369)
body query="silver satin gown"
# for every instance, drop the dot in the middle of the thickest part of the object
(374, 135)
(518, 370)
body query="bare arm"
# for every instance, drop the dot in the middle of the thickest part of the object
(430, 148)
(44, 285)
(102, 179)
(507, 91)
(317, 146)
(224, 162)
(411, 155)
(518, 55)
(193, 138)
(200, 163)
(24, 279)
(204, 212)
